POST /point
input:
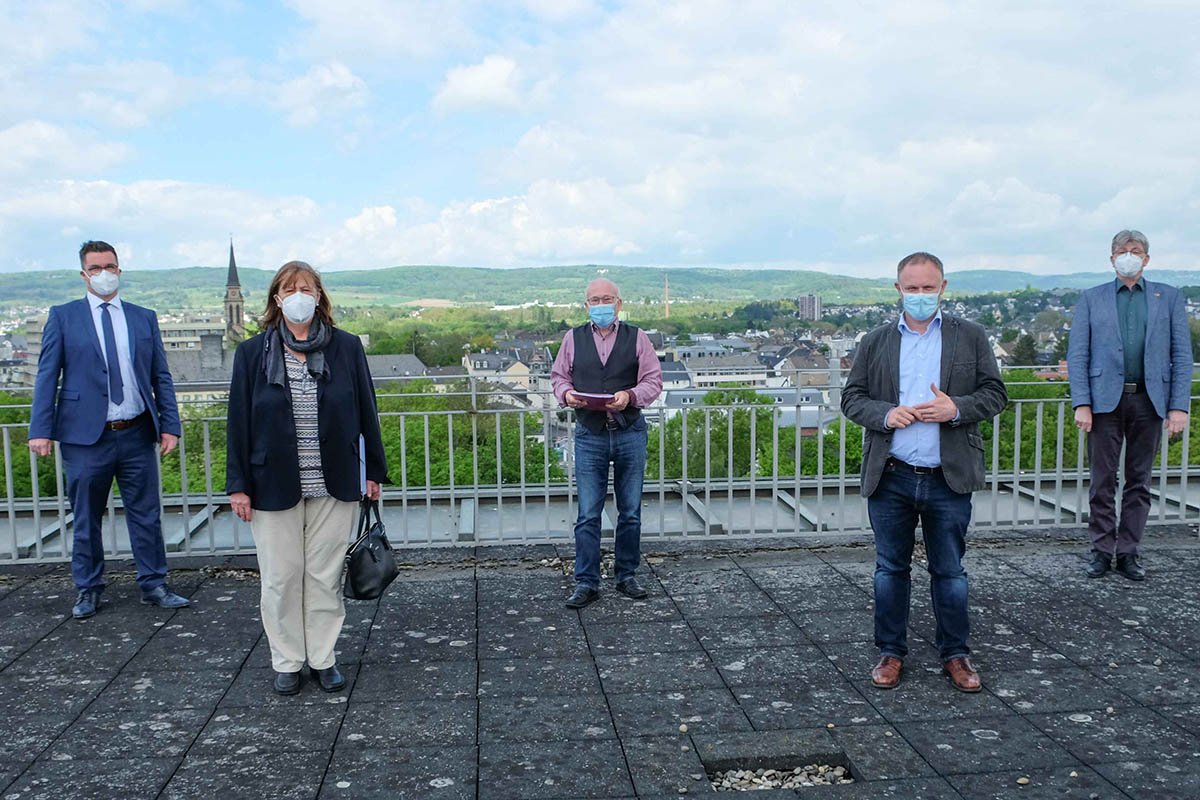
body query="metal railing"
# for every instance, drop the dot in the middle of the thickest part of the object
(475, 464)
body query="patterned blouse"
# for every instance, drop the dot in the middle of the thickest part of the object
(303, 387)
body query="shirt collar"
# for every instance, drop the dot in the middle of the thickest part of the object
(95, 301)
(595, 327)
(936, 322)
(1141, 284)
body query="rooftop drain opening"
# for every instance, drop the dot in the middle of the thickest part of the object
(756, 774)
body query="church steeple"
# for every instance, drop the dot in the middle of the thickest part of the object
(235, 322)
(232, 280)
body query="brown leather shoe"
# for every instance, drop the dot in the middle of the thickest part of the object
(886, 674)
(962, 674)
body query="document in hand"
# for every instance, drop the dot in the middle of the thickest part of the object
(596, 402)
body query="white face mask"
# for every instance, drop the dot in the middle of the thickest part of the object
(1128, 265)
(299, 307)
(105, 283)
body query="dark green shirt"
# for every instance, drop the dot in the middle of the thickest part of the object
(1131, 318)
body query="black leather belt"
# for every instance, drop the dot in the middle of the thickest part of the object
(1134, 388)
(122, 424)
(895, 462)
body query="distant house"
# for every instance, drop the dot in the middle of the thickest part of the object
(487, 365)
(690, 351)
(202, 374)
(814, 412)
(1053, 373)
(446, 378)
(804, 369)
(739, 369)
(399, 365)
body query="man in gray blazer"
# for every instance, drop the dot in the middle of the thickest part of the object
(919, 387)
(1130, 366)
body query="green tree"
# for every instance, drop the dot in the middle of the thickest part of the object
(1009, 335)
(1025, 353)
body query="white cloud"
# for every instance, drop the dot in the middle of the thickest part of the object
(325, 89)
(496, 82)
(39, 147)
(389, 30)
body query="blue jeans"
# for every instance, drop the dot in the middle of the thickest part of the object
(902, 498)
(626, 451)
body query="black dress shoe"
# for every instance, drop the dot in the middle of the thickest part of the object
(631, 588)
(1130, 568)
(163, 597)
(330, 679)
(287, 682)
(1100, 564)
(582, 596)
(86, 604)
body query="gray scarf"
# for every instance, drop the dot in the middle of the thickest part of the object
(313, 347)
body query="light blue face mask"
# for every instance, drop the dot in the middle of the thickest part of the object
(920, 306)
(603, 315)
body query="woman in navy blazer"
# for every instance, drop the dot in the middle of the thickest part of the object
(300, 398)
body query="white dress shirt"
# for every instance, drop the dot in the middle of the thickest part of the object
(132, 404)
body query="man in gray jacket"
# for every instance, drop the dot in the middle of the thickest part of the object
(919, 387)
(1130, 366)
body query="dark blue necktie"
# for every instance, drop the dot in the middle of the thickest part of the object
(116, 387)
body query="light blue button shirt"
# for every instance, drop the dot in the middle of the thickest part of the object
(920, 444)
(132, 405)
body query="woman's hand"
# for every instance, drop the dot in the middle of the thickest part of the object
(240, 501)
(373, 490)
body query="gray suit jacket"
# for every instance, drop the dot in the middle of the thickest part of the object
(1096, 355)
(969, 375)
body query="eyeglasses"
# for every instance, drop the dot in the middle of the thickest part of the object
(96, 269)
(607, 300)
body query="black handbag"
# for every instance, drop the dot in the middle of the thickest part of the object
(370, 560)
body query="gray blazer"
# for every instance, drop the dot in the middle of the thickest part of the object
(969, 375)
(1096, 355)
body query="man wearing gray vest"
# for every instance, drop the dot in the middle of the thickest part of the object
(607, 357)
(1130, 367)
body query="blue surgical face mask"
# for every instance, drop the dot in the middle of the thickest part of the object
(920, 306)
(602, 316)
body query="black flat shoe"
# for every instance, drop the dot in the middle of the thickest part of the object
(631, 588)
(329, 678)
(1099, 565)
(582, 596)
(287, 683)
(1131, 568)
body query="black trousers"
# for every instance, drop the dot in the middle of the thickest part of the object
(1135, 422)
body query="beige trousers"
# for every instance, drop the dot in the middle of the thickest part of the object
(300, 556)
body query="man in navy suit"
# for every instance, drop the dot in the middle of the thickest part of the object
(115, 403)
(1130, 367)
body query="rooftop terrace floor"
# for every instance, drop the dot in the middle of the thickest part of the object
(471, 680)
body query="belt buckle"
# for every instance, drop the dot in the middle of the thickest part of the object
(1130, 388)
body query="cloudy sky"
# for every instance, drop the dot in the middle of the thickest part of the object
(369, 133)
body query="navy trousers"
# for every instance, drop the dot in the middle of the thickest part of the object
(128, 456)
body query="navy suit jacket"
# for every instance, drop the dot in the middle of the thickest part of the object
(76, 414)
(1096, 355)
(261, 457)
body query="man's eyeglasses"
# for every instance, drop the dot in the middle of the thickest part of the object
(96, 269)
(607, 300)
